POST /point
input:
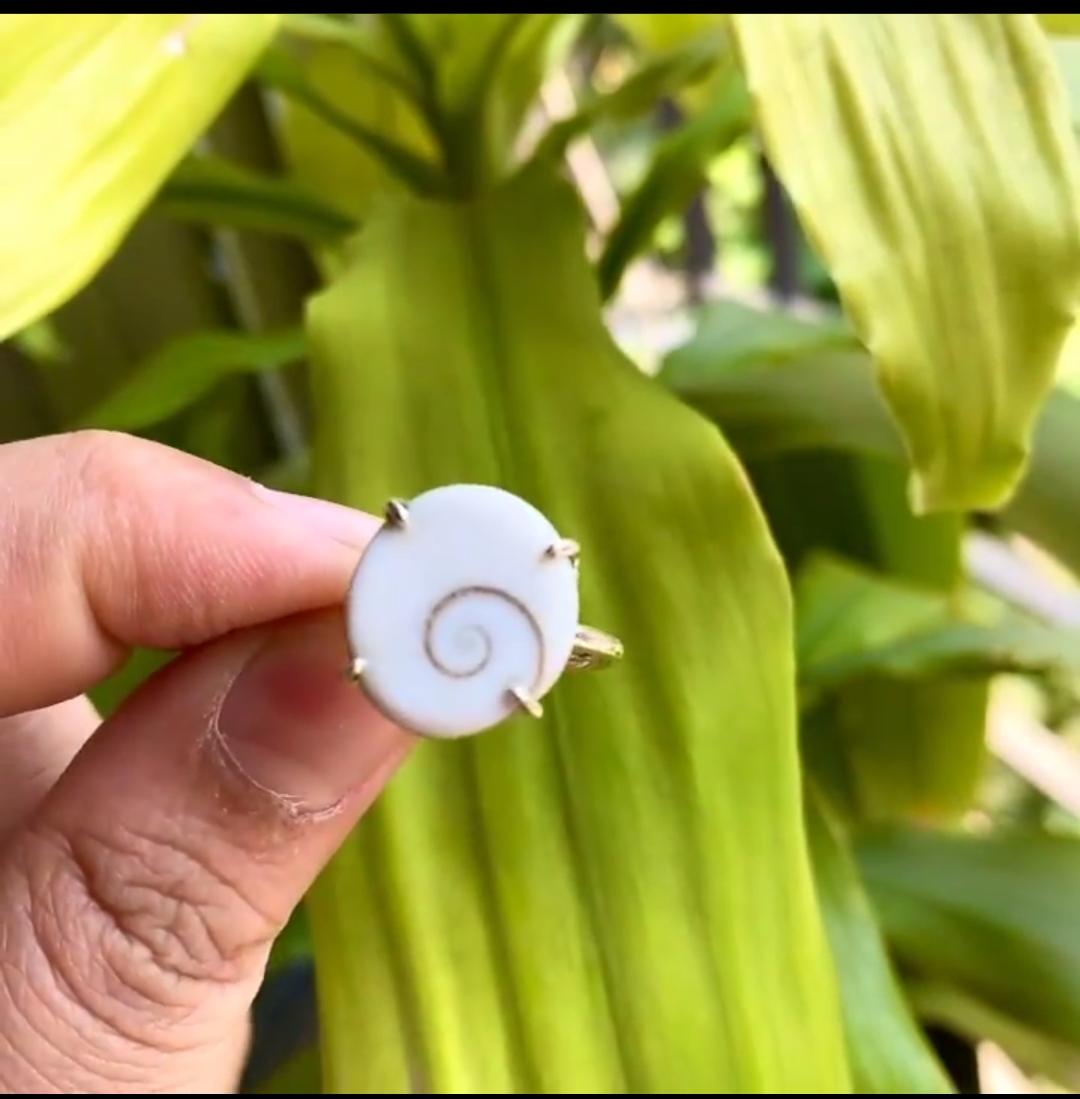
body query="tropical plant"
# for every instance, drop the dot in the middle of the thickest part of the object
(776, 849)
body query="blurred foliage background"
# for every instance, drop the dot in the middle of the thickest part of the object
(774, 314)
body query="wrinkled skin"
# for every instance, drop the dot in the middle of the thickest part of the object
(147, 862)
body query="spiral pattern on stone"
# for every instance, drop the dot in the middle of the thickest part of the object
(472, 664)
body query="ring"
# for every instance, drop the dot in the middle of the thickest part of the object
(463, 610)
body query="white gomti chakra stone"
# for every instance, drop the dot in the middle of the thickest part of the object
(457, 607)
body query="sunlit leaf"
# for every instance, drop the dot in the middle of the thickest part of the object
(288, 76)
(366, 42)
(213, 190)
(1060, 23)
(889, 1054)
(96, 111)
(188, 368)
(482, 72)
(617, 897)
(993, 916)
(887, 749)
(854, 623)
(931, 161)
(829, 401)
(324, 160)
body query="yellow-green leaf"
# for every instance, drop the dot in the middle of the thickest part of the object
(617, 897)
(95, 111)
(889, 1053)
(186, 369)
(826, 400)
(931, 160)
(214, 190)
(776, 383)
(855, 623)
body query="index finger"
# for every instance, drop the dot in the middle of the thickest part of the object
(110, 542)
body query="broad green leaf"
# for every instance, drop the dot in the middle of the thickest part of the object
(638, 93)
(829, 401)
(616, 897)
(993, 916)
(885, 749)
(213, 190)
(889, 1054)
(95, 111)
(675, 174)
(854, 623)
(187, 369)
(931, 161)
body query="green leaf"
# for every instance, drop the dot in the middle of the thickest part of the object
(931, 162)
(97, 110)
(41, 342)
(364, 42)
(540, 46)
(829, 401)
(993, 916)
(638, 93)
(775, 384)
(567, 903)
(658, 34)
(885, 749)
(483, 73)
(1060, 24)
(326, 161)
(281, 72)
(1032, 1050)
(854, 623)
(675, 174)
(185, 370)
(889, 1053)
(210, 189)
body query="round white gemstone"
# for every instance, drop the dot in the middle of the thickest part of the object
(459, 606)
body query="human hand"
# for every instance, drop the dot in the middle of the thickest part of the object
(147, 863)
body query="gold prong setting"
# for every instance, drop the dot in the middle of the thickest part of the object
(397, 513)
(526, 701)
(565, 549)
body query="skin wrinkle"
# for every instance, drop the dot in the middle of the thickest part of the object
(140, 892)
(42, 974)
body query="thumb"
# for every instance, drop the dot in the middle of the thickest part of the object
(139, 902)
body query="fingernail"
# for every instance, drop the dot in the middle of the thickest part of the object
(296, 726)
(344, 524)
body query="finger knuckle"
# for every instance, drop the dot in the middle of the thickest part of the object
(158, 922)
(96, 457)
